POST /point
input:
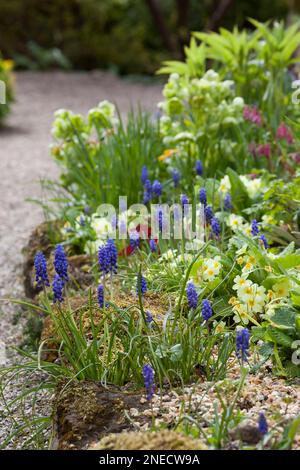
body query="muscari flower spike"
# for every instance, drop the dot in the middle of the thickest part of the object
(57, 288)
(208, 212)
(134, 240)
(61, 263)
(207, 311)
(192, 295)
(148, 375)
(100, 295)
(141, 285)
(157, 188)
(149, 317)
(199, 167)
(262, 424)
(144, 174)
(184, 200)
(215, 226)
(254, 228)
(147, 197)
(264, 241)
(227, 202)
(103, 260)
(41, 274)
(112, 254)
(202, 196)
(242, 344)
(175, 177)
(152, 245)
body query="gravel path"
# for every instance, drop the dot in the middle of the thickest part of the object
(24, 159)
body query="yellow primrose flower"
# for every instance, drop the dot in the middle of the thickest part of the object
(241, 316)
(246, 292)
(233, 301)
(240, 281)
(219, 327)
(281, 289)
(240, 260)
(248, 266)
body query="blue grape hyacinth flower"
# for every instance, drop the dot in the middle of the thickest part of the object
(100, 295)
(41, 274)
(148, 375)
(141, 285)
(57, 288)
(152, 245)
(61, 263)
(208, 212)
(215, 226)
(254, 228)
(227, 202)
(157, 188)
(207, 311)
(202, 196)
(192, 295)
(262, 424)
(199, 167)
(242, 344)
(264, 241)
(144, 174)
(176, 177)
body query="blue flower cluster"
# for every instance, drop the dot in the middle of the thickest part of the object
(206, 309)
(192, 295)
(61, 276)
(208, 212)
(57, 288)
(134, 240)
(262, 424)
(41, 274)
(198, 167)
(152, 245)
(227, 202)
(148, 375)
(141, 285)
(264, 241)
(149, 317)
(176, 177)
(202, 196)
(215, 226)
(150, 189)
(100, 296)
(61, 262)
(242, 344)
(254, 228)
(107, 258)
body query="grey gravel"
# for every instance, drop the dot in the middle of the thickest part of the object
(24, 160)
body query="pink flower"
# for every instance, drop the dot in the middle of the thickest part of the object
(284, 133)
(264, 150)
(252, 114)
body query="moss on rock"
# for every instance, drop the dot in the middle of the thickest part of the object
(160, 440)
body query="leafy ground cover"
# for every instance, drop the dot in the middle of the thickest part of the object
(191, 292)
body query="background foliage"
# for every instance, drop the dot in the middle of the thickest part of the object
(122, 34)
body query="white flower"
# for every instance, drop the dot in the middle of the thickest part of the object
(235, 222)
(281, 289)
(225, 184)
(102, 227)
(240, 281)
(211, 269)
